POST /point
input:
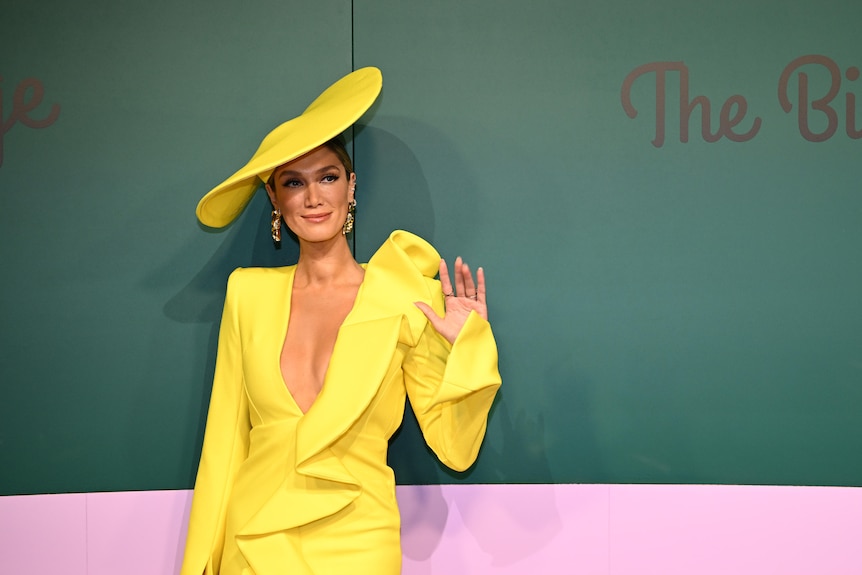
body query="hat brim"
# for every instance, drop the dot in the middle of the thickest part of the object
(335, 110)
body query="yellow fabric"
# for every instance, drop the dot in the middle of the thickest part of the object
(281, 492)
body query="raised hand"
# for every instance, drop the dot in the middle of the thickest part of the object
(465, 297)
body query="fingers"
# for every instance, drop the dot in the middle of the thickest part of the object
(480, 288)
(427, 310)
(464, 286)
(459, 277)
(469, 285)
(445, 282)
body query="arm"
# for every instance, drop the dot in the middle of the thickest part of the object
(225, 447)
(452, 386)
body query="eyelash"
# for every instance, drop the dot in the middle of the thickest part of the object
(293, 183)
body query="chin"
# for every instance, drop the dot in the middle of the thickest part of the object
(315, 236)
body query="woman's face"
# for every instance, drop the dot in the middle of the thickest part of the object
(313, 192)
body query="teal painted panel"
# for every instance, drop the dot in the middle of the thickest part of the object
(677, 313)
(111, 291)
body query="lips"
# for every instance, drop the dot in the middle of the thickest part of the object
(316, 218)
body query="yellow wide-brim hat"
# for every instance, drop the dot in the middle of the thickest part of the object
(335, 110)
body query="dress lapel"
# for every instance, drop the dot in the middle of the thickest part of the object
(383, 315)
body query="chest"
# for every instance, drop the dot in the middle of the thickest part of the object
(315, 319)
(353, 359)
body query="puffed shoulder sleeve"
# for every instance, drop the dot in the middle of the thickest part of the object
(225, 445)
(452, 387)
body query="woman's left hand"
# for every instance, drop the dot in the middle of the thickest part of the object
(465, 297)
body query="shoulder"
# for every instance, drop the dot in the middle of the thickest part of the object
(407, 253)
(245, 280)
(402, 272)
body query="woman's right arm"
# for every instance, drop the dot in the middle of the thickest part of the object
(225, 445)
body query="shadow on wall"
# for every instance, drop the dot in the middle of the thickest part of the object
(392, 192)
(247, 243)
(426, 511)
(530, 523)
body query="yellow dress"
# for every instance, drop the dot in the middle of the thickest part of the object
(279, 492)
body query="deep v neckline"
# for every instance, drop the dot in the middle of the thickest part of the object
(284, 329)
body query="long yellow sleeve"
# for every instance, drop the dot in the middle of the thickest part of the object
(225, 446)
(452, 388)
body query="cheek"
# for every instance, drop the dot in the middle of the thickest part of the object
(338, 199)
(288, 201)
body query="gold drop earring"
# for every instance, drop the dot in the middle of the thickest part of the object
(348, 223)
(275, 227)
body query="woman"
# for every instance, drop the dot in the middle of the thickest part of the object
(315, 362)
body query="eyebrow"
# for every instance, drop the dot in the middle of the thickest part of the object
(297, 173)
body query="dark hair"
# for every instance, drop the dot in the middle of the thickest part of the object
(339, 148)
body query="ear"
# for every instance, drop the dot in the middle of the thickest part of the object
(351, 187)
(271, 193)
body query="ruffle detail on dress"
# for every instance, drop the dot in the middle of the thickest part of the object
(400, 273)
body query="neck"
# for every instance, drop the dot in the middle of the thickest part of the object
(326, 263)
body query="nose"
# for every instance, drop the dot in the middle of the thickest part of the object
(312, 195)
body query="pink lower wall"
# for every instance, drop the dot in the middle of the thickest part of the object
(495, 529)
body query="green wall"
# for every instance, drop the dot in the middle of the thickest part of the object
(682, 313)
